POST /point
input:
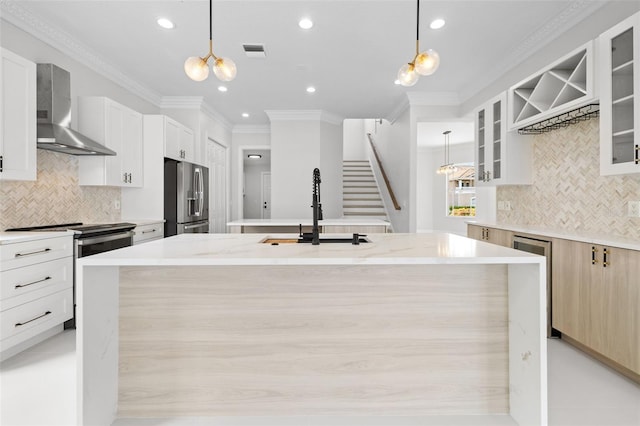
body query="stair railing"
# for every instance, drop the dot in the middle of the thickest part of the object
(384, 175)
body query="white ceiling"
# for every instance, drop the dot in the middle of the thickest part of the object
(351, 55)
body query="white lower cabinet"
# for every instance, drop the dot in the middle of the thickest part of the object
(36, 290)
(148, 232)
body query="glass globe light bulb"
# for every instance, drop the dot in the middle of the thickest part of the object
(407, 75)
(224, 69)
(196, 68)
(427, 62)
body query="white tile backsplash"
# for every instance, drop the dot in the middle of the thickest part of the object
(568, 192)
(56, 197)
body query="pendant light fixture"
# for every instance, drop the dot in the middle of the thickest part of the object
(197, 68)
(425, 63)
(447, 167)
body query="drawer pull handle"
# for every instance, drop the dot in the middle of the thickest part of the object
(605, 252)
(593, 255)
(32, 283)
(146, 232)
(33, 252)
(33, 319)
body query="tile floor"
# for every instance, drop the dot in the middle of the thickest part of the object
(37, 388)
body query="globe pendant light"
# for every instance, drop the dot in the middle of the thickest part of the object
(425, 63)
(447, 167)
(197, 68)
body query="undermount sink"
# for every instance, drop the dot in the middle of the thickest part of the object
(344, 240)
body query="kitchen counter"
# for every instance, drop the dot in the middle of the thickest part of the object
(215, 325)
(582, 236)
(21, 237)
(344, 225)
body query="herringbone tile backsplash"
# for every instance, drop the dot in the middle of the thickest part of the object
(568, 192)
(56, 196)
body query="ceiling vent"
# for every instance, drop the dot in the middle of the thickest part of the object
(254, 50)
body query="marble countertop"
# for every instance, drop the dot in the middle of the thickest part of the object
(247, 249)
(21, 237)
(141, 222)
(308, 222)
(582, 236)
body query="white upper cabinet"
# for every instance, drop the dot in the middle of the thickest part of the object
(619, 78)
(118, 128)
(17, 117)
(179, 143)
(502, 157)
(566, 84)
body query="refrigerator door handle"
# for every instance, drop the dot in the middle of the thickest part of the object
(196, 190)
(201, 207)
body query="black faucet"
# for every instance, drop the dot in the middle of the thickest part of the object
(317, 207)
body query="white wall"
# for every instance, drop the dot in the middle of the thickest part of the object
(301, 142)
(432, 189)
(243, 140)
(355, 140)
(331, 150)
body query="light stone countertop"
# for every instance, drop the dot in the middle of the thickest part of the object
(309, 222)
(21, 237)
(582, 236)
(142, 222)
(247, 249)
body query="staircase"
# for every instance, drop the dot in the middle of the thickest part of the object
(360, 194)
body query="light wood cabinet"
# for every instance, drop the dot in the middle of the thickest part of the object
(118, 128)
(502, 157)
(564, 85)
(619, 76)
(17, 117)
(179, 143)
(595, 299)
(500, 237)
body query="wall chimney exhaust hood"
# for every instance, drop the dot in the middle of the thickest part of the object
(54, 115)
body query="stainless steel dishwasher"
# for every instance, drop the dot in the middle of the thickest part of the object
(543, 248)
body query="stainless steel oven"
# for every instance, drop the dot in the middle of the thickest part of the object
(99, 244)
(543, 248)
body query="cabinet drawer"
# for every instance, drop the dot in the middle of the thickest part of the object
(31, 252)
(21, 285)
(144, 233)
(25, 321)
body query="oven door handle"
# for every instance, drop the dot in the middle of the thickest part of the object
(104, 238)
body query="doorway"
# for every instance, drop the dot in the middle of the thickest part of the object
(217, 162)
(257, 184)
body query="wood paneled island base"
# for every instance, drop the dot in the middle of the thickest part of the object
(405, 329)
(313, 340)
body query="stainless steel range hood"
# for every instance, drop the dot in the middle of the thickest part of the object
(54, 115)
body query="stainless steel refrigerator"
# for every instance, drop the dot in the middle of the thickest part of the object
(186, 198)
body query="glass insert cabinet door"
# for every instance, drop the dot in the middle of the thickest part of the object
(619, 123)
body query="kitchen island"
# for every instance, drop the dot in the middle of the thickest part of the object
(341, 225)
(406, 326)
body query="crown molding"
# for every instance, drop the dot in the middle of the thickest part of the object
(304, 115)
(433, 98)
(215, 115)
(182, 102)
(13, 13)
(252, 128)
(398, 110)
(576, 11)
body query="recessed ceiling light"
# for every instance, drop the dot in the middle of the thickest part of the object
(245, 114)
(311, 89)
(165, 23)
(436, 24)
(254, 156)
(305, 24)
(222, 88)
